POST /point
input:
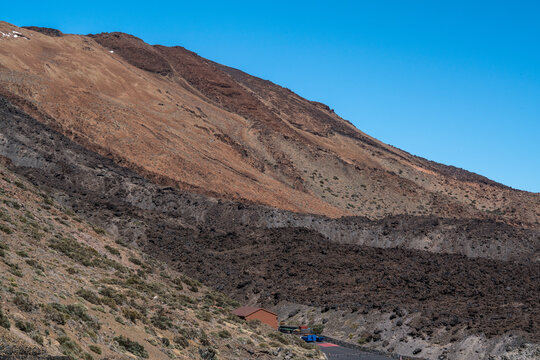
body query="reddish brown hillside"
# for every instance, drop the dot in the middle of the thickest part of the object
(186, 121)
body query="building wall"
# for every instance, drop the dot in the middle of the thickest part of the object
(265, 317)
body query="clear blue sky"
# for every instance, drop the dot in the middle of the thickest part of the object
(457, 82)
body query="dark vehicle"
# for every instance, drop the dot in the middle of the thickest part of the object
(287, 329)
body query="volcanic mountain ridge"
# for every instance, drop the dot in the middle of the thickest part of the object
(187, 122)
(269, 197)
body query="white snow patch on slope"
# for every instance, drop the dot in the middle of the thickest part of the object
(13, 34)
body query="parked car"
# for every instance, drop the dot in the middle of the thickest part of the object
(286, 329)
(312, 338)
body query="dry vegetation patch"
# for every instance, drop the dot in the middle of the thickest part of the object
(69, 289)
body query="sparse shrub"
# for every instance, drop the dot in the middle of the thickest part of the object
(5, 229)
(3, 249)
(4, 215)
(36, 265)
(254, 324)
(193, 285)
(72, 271)
(165, 341)
(203, 338)
(112, 250)
(161, 320)
(150, 288)
(111, 297)
(131, 346)
(150, 330)
(362, 340)
(98, 230)
(219, 299)
(83, 254)
(95, 348)
(22, 301)
(89, 296)
(188, 333)
(47, 200)
(152, 342)
(22, 253)
(99, 308)
(279, 337)
(204, 316)
(132, 315)
(141, 308)
(141, 273)
(207, 353)
(69, 347)
(91, 334)
(4, 321)
(52, 313)
(77, 311)
(14, 269)
(135, 261)
(62, 221)
(317, 329)
(105, 262)
(12, 204)
(59, 313)
(120, 242)
(24, 326)
(72, 249)
(181, 341)
(224, 334)
(185, 300)
(178, 284)
(233, 318)
(38, 339)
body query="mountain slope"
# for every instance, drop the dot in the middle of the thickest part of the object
(243, 185)
(185, 121)
(260, 255)
(68, 287)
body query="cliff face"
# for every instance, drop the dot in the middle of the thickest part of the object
(187, 122)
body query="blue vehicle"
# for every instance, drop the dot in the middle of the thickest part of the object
(312, 338)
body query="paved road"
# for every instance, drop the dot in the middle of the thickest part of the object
(334, 352)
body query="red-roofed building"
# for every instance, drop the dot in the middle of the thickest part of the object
(255, 313)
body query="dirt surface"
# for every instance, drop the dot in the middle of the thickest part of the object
(269, 265)
(187, 122)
